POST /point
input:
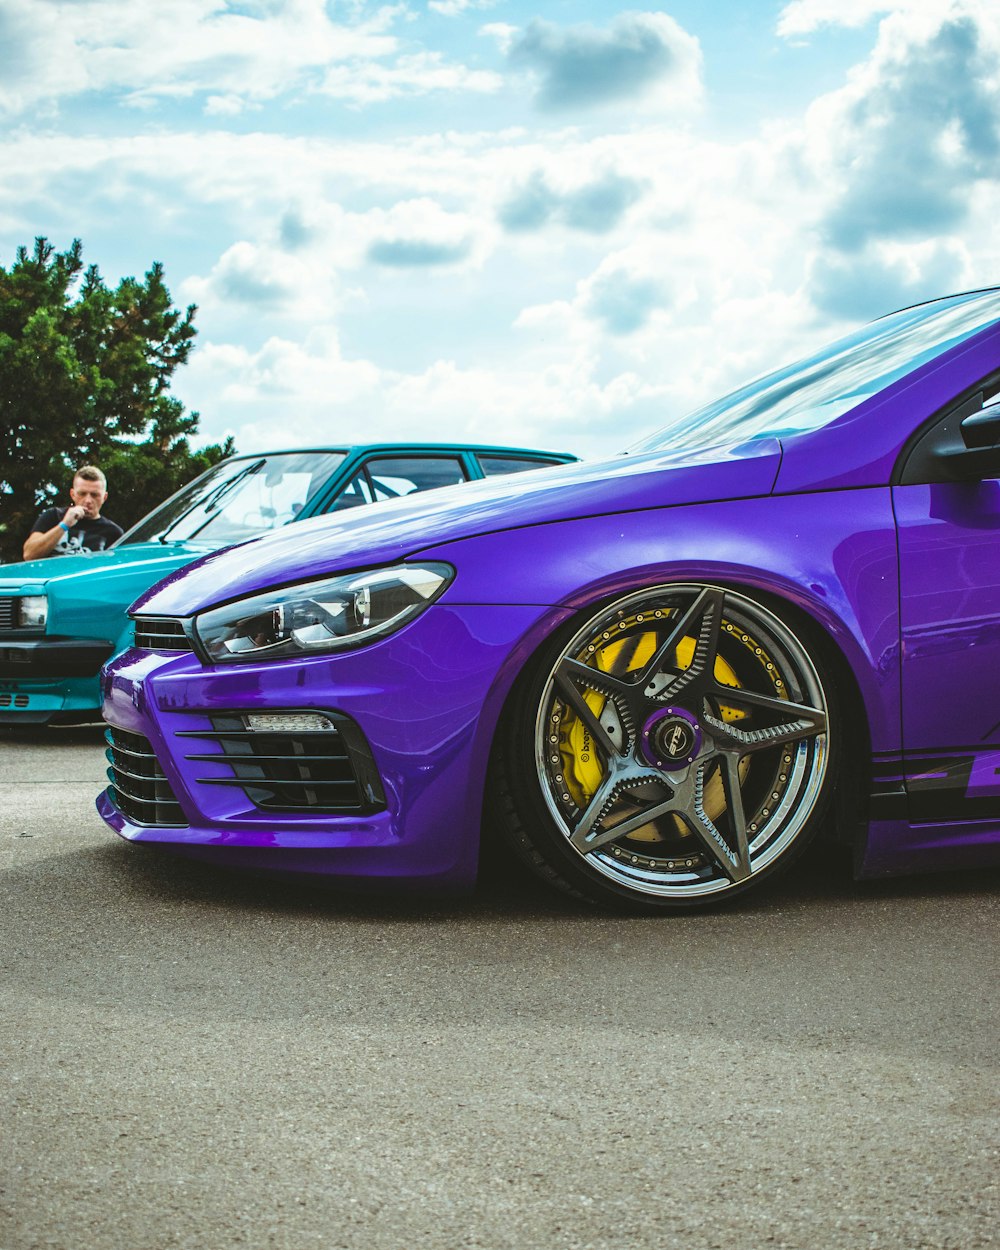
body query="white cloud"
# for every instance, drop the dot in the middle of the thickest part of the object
(418, 73)
(225, 105)
(263, 396)
(712, 227)
(144, 51)
(622, 299)
(266, 281)
(453, 8)
(562, 285)
(902, 146)
(884, 276)
(309, 386)
(419, 233)
(596, 205)
(641, 57)
(804, 17)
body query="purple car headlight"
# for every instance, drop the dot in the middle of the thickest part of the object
(331, 614)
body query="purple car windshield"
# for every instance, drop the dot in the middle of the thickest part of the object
(822, 387)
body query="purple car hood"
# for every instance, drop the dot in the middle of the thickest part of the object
(389, 532)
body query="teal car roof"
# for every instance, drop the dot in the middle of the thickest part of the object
(360, 449)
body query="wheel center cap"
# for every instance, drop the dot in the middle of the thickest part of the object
(670, 739)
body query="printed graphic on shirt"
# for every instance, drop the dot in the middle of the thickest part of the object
(86, 535)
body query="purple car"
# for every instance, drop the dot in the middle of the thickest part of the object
(657, 677)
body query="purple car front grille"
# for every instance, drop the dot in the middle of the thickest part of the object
(161, 633)
(139, 787)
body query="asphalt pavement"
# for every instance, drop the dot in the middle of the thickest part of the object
(193, 1058)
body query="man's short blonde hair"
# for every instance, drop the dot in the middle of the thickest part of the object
(91, 473)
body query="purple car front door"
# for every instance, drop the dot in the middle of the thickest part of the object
(949, 577)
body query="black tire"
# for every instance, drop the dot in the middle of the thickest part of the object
(675, 749)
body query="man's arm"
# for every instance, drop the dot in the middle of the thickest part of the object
(43, 542)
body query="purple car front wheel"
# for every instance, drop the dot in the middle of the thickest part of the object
(681, 749)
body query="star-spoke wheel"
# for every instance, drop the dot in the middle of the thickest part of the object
(680, 749)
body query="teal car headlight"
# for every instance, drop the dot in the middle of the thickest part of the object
(31, 612)
(314, 617)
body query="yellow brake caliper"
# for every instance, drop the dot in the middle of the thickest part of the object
(583, 767)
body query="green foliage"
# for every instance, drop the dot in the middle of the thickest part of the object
(85, 375)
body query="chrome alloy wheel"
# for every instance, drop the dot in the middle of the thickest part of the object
(681, 743)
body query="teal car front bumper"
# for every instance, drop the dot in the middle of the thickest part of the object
(67, 700)
(53, 674)
(53, 657)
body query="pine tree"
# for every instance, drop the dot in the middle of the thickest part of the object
(85, 374)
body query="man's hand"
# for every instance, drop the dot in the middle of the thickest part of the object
(37, 545)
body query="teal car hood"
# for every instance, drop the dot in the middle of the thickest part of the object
(32, 575)
(89, 594)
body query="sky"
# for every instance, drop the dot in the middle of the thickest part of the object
(553, 224)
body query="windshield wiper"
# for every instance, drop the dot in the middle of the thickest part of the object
(212, 499)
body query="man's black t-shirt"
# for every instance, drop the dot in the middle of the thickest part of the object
(87, 534)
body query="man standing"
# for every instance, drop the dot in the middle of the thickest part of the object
(81, 527)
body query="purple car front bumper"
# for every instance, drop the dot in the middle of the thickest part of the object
(428, 728)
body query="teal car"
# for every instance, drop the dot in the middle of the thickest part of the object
(61, 618)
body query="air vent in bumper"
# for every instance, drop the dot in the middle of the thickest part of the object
(303, 762)
(139, 787)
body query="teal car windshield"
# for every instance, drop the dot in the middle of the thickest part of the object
(239, 499)
(822, 387)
